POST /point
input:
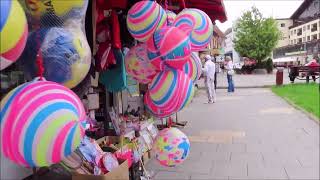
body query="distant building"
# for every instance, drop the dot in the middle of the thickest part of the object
(283, 26)
(229, 46)
(301, 34)
(216, 46)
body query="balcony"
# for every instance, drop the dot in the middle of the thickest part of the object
(314, 28)
(299, 33)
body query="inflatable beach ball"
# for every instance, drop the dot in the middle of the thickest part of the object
(169, 46)
(169, 92)
(138, 65)
(66, 55)
(13, 32)
(193, 67)
(54, 12)
(144, 18)
(198, 25)
(40, 123)
(171, 16)
(171, 147)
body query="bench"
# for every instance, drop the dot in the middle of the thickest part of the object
(304, 73)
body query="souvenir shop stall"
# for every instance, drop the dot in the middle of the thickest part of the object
(90, 89)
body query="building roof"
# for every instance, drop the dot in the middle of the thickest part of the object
(214, 8)
(218, 31)
(228, 31)
(300, 10)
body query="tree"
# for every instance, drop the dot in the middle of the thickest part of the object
(255, 36)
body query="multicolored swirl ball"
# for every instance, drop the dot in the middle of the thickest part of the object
(198, 25)
(138, 65)
(54, 12)
(13, 32)
(66, 55)
(41, 123)
(169, 46)
(171, 147)
(193, 67)
(170, 91)
(144, 18)
(171, 16)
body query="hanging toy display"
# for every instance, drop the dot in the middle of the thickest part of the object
(171, 147)
(169, 46)
(169, 92)
(54, 12)
(138, 65)
(198, 25)
(40, 123)
(13, 32)
(193, 67)
(66, 55)
(171, 16)
(144, 18)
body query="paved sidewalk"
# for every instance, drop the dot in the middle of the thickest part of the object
(250, 80)
(251, 134)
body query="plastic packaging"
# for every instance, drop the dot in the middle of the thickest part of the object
(57, 41)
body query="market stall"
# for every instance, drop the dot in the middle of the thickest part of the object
(91, 89)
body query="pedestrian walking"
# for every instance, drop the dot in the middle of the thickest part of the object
(209, 71)
(230, 72)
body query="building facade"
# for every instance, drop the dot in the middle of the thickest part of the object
(283, 26)
(229, 46)
(301, 39)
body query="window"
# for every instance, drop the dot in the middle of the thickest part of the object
(295, 31)
(314, 37)
(299, 32)
(291, 42)
(299, 40)
(283, 25)
(314, 27)
(308, 27)
(304, 39)
(295, 41)
(308, 38)
(304, 28)
(291, 32)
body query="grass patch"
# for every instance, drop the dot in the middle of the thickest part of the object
(305, 96)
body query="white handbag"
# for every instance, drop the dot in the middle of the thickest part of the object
(230, 72)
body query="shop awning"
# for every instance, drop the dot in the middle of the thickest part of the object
(284, 59)
(214, 8)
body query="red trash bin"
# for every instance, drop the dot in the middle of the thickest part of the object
(279, 77)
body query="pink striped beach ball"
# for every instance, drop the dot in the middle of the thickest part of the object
(169, 92)
(41, 123)
(144, 18)
(169, 46)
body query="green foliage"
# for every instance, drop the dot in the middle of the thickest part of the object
(269, 65)
(255, 36)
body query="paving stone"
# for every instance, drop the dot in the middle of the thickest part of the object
(200, 166)
(260, 172)
(229, 169)
(280, 160)
(206, 177)
(163, 175)
(247, 158)
(303, 173)
(257, 148)
(217, 156)
(232, 148)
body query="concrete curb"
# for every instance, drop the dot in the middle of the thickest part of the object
(310, 115)
(241, 87)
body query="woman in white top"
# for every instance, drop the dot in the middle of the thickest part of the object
(230, 72)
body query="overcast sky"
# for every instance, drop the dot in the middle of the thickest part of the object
(274, 8)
